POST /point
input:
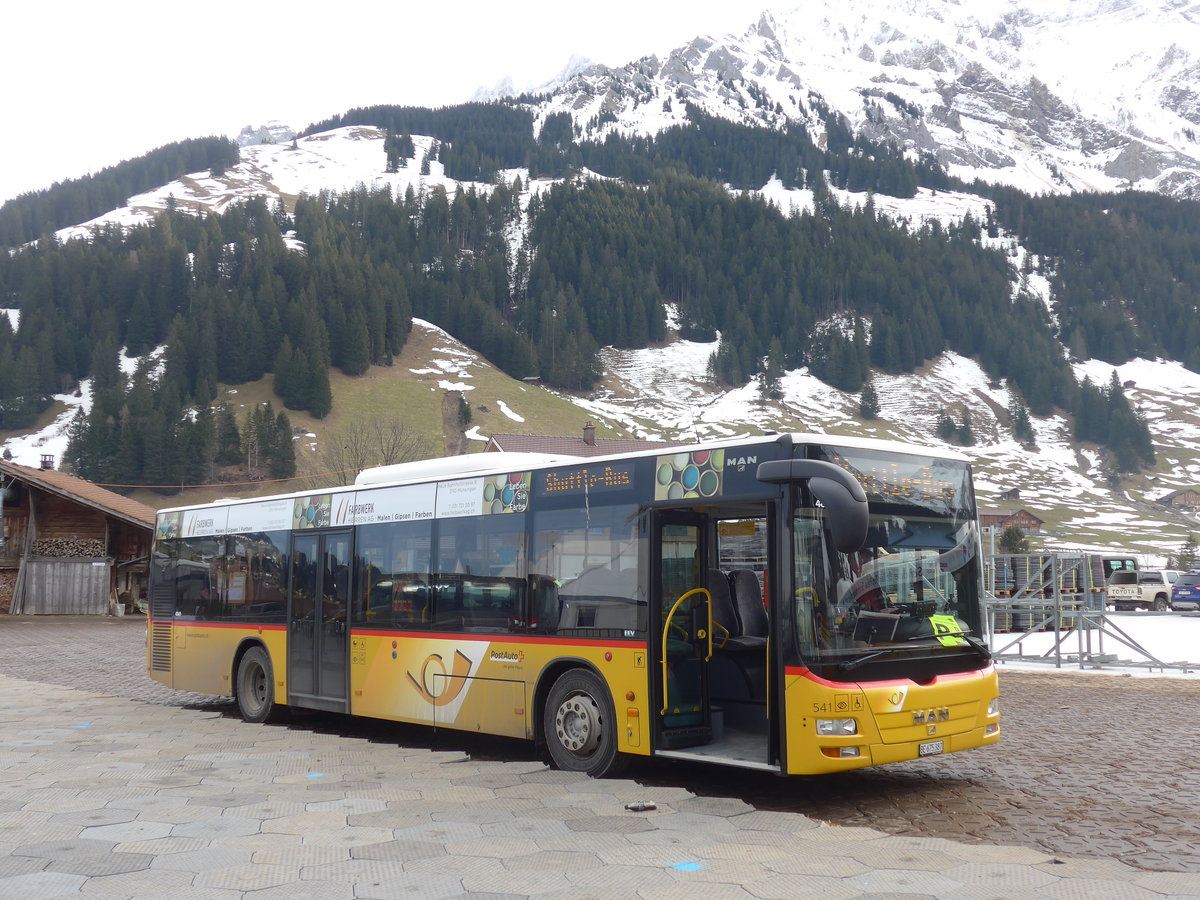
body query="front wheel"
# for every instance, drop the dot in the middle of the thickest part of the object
(256, 687)
(1160, 604)
(579, 725)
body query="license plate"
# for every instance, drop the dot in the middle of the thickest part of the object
(931, 747)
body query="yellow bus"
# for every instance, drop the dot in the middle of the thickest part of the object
(798, 604)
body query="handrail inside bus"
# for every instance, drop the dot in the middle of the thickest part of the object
(667, 629)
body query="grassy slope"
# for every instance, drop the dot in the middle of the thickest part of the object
(416, 398)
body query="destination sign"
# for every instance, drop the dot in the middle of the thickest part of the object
(587, 478)
(922, 481)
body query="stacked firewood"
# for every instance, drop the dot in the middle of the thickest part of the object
(69, 548)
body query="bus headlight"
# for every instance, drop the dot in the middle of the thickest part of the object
(994, 706)
(839, 727)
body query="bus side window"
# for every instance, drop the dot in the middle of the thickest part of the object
(480, 573)
(394, 584)
(584, 575)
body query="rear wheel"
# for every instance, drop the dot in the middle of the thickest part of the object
(579, 725)
(256, 687)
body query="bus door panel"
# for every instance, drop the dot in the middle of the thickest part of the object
(318, 636)
(683, 643)
(302, 610)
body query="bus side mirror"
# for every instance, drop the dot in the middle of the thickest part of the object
(838, 490)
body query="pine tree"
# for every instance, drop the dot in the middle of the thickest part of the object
(868, 404)
(283, 458)
(228, 438)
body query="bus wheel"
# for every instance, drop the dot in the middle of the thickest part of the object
(256, 686)
(579, 724)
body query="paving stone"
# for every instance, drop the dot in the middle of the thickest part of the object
(478, 816)
(124, 832)
(494, 847)
(1174, 884)
(204, 860)
(101, 863)
(347, 837)
(788, 887)
(610, 824)
(690, 891)
(216, 828)
(410, 887)
(905, 881)
(399, 849)
(621, 881)
(90, 817)
(21, 865)
(456, 866)
(307, 890)
(519, 884)
(40, 884)
(353, 871)
(1097, 889)
(554, 861)
(163, 846)
(442, 832)
(247, 877)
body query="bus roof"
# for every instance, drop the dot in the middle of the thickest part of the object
(501, 462)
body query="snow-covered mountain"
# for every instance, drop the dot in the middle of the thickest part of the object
(1045, 95)
(1057, 96)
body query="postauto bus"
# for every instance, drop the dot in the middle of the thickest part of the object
(797, 604)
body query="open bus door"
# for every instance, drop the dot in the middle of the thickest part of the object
(683, 643)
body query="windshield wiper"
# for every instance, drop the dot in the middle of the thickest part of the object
(978, 646)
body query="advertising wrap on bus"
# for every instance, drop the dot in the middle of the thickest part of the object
(795, 604)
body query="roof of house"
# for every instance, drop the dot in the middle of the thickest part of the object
(572, 446)
(1166, 498)
(1002, 514)
(84, 492)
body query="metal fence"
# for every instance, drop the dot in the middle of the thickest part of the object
(1061, 593)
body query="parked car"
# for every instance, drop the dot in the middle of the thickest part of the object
(1144, 589)
(1185, 595)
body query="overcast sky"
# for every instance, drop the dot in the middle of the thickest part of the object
(84, 85)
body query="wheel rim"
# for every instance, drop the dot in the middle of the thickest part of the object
(256, 686)
(578, 725)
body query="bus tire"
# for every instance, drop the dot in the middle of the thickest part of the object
(579, 724)
(256, 686)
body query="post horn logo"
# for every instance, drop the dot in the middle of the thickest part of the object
(433, 670)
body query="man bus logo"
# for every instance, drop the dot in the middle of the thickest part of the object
(436, 686)
(740, 462)
(937, 714)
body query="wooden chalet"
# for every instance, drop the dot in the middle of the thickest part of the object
(69, 547)
(1186, 500)
(586, 445)
(1001, 519)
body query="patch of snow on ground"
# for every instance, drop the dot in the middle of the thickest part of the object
(508, 412)
(28, 449)
(1167, 637)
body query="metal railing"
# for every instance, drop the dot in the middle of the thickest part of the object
(1059, 593)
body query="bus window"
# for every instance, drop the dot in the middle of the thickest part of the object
(393, 583)
(584, 573)
(480, 574)
(197, 565)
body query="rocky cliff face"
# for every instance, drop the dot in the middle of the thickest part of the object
(1052, 95)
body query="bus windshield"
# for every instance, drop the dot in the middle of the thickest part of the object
(912, 590)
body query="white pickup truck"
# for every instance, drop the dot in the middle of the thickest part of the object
(1147, 589)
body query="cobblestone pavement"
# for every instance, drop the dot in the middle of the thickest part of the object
(1090, 765)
